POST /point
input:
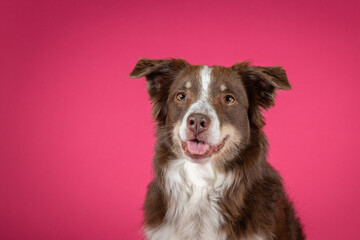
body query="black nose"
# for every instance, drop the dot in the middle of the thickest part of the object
(198, 122)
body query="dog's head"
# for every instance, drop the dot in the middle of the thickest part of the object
(208, 113)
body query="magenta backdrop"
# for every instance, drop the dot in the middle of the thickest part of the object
(76, 136)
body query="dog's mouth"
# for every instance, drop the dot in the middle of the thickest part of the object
(198, 150)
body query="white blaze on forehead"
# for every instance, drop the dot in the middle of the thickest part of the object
(202, 105)
(205, 82)
(188, 85)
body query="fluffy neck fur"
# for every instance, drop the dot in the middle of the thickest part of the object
(180, 182)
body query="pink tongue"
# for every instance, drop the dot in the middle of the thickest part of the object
(197, 148)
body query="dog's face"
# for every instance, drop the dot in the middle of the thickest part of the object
(205, 111)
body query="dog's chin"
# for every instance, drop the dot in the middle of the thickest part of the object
(201, 152)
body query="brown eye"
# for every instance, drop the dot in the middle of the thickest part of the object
(181, 96)
(229, 99)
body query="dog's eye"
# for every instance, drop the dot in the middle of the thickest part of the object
(181, 96)
(229, 99)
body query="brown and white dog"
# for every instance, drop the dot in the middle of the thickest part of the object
(212, 180)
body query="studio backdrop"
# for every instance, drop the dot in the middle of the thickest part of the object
(76, 134)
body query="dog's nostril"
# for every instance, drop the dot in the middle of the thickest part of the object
(198, 122)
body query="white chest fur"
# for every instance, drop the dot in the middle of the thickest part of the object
(193, 211)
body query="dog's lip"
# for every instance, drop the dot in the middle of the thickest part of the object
(212, 149)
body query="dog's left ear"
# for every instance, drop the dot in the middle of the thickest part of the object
(261, 83)
(159, 74)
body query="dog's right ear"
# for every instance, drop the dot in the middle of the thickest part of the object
(159, 74)
(146, 67)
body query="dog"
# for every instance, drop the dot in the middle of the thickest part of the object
(211, 178)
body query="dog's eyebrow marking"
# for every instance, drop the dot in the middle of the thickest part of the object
(223, 87)
(188, 85)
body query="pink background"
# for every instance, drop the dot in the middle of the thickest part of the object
(76, 136)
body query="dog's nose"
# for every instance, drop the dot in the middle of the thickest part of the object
(198, 122)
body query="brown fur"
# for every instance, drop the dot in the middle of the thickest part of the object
(256, 201)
